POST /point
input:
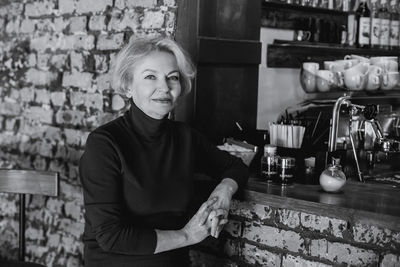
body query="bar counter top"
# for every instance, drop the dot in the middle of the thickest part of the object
(376, 204)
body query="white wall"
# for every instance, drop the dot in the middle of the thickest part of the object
(278, 88)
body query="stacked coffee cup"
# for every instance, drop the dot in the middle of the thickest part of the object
(354, 73)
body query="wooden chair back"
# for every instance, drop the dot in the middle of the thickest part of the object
(24, 182)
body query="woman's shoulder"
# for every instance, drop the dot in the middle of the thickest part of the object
(108, 130)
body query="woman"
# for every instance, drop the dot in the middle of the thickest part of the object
(137, 171)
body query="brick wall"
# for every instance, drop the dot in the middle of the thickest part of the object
(261, 235)
(55, 58)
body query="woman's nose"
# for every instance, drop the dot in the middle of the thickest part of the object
(163, 84)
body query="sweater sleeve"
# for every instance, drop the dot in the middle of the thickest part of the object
(100, 173)
(217, 163)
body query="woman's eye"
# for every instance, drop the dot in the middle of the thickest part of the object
(173, 78)
(150, 77)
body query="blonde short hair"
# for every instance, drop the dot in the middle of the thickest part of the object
(138, 48)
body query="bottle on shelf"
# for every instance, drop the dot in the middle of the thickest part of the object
(363, 24)
(375, 25)
(394, 25)
(384, 17)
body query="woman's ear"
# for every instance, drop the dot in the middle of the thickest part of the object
(129, 93)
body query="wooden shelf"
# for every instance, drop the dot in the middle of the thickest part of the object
(287, 54)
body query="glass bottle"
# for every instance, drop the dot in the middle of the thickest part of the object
(394, 25)
(363, 24)
(375, 26)
(269, 163)
(384, 17)
(286, 170)
(332, 179)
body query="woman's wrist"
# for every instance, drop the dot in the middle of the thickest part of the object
(229, 185)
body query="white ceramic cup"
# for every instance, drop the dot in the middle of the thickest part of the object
(311, 67)
(388, 64)
(374, 77)
(390, 80)
(325, 80)
(356, 77)
(359, 58)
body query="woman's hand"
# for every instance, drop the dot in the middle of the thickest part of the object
(198, 228)
(223, 192)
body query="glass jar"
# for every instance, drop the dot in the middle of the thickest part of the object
(286, 170)
(332, 179)
(269, 163)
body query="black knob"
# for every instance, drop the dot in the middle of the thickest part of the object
(370, 111)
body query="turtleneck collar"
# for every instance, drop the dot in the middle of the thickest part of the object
(149, 128)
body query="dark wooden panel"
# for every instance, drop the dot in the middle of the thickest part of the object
(223, 51)
(226, 95)
(292, 54)
(373, 203)
(29, 182)
(234, 19)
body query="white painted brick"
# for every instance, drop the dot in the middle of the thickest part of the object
(251, 210)
(27, 94)
(342, 253)
(59, 61)
(323, 224)
(27, 26)
(101, 63)
(233, 227)
(42, 96)
(153, 20)
(44, 25)
(12, 9)
(78, 24)
(77, 61)
(73, 117)
(103, 82)
(73, 137)
(43, 61)
(31, 61)
(254, 255)
(58, 98)
(94, 101)
(7, 108)
(121, 4)
(390, 260)
(110, 42)
(46, 149)
(170, 24)
(66, 6)
(292, 261)
(79, 41)
(124, 20)
(52, 134)
(10, 124)
(77, 79)
(39, 114)
(61, 24)
(97, 23)
(289, 218)
(76, 98)
(13, 26)
(273, 237)
(39, 163)
(40, 8)
(38, 77)
(94, 6)
(170, 3)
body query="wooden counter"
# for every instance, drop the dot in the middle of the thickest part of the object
(376, 204)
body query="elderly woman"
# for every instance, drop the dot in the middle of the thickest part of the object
(137, 170)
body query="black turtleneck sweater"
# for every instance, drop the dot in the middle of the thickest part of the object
(137, 176)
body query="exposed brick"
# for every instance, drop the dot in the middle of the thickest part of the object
(101, 63)
(234, 228)
(103, 82)
(42, 96)
(40, 8)
(128, 20)
(77, 79)
(323, 224)
(170, 23)
(77, 61)
(7, 108)
(371, 234)
(254, 255)
(121, 4)
(10, 124)
(58, 98)
(78, 24)
(94, 101)
(38, 77)
(52, 134)
(251, 210)
(342, 253)
(292, 261)
(273, 237)
(39, 114)
(390, 260)
(97, 23)
(76, 98)
(73, 117)
(66, 6)
(45, 25)
(289, 218)
(110, 42)
(86, 6)
(43, 61)
(59, 61)
(153, 20)
(170, 3)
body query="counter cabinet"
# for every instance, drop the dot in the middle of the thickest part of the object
(301, 225)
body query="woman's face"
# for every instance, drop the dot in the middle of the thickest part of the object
(156, 84)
